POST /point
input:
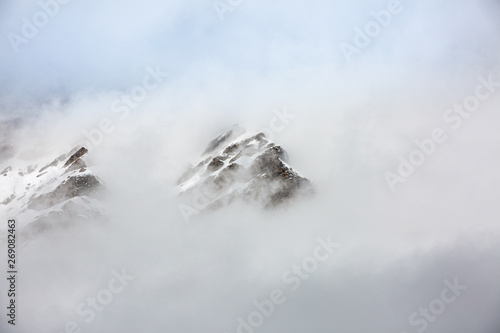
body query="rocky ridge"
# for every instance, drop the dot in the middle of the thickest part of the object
(41, 195)
(241, 165)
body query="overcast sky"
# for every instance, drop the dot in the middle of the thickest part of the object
(354, 117)
(106, 46)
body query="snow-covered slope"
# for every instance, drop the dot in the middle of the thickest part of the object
(241, 165)
(43, 192)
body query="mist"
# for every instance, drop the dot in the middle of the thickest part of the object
(146, 86)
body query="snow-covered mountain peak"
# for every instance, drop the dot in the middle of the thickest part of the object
(42, 192)
(238, 164)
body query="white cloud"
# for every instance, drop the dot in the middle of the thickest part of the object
(352, 121)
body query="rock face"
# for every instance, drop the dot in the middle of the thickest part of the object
(42, 195)
(241, 165)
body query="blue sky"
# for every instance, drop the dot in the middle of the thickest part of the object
(104, 46)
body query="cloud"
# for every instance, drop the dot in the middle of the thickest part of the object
(352, 122)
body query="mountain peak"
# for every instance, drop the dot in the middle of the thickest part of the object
(76, 156)
(44, 194)
(223, 138)
(238, 164)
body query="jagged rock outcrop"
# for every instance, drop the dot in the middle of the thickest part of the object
(241, 165)
(42, 195)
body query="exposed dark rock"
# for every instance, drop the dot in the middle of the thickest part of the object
(231, 148)
(233, 167)
(76, 156)
(77, 164)
(215, 164)
(262, 174)
(70, 188)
